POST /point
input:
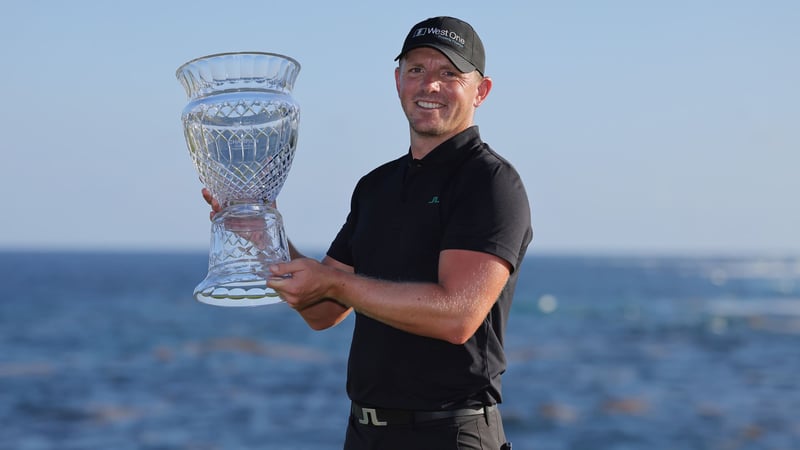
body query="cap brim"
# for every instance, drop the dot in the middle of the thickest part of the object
(461, 64)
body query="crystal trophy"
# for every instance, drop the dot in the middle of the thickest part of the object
(241, 127)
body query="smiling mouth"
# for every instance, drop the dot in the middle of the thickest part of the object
(429, 105)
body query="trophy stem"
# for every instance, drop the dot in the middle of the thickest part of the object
(246, 238)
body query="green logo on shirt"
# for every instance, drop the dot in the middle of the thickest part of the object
(435, 199)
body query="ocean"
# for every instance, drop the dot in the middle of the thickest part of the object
(110, 351)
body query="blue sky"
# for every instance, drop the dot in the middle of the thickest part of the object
(645, 127)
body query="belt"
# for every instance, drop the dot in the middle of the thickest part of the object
(383, 417)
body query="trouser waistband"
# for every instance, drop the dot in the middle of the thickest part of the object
(385, 417)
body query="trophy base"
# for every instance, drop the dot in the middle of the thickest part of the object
(241, 293)
(245, 240)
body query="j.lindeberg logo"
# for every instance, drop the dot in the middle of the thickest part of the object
(441, 33)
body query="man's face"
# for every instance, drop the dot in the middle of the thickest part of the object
(438, 100)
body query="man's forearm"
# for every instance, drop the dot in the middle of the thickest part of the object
(425, 309)
(324, 314)
(451, 309)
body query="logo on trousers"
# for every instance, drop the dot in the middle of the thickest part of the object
(370, 417)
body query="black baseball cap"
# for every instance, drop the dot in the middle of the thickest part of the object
(453, 37)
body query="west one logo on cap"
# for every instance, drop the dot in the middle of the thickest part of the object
(442, 33)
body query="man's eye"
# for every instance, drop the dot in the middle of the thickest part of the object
(415, 70)
(449, 74)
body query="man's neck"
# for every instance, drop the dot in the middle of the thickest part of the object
(421, 145)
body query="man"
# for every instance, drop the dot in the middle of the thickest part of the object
(428, 260)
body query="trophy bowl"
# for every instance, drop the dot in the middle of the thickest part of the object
(241, 126)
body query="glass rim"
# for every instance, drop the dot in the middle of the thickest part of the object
(242, 53)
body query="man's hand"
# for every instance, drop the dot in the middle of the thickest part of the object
(251, 228)
(215, 207)
(308, 284)
(307, 291)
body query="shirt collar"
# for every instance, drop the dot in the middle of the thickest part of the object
(451, 150)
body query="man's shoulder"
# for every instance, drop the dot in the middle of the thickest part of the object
(383, 171)
(487, 161)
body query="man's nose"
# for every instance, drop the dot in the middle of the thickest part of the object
(431, 83)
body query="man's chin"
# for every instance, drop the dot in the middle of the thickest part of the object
(427, 130)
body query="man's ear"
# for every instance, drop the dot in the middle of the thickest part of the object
(484, 88)
(397, 79)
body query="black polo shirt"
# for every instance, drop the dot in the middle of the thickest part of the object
(462, 195)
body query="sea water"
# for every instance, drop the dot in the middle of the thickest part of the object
(110, 351)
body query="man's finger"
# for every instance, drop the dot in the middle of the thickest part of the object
(277, 270)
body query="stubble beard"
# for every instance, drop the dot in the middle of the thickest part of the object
(426, 131)
(426, 128)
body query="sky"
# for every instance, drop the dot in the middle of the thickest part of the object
(637, 127)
